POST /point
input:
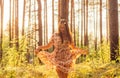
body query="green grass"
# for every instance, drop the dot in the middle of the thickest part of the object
(81, 70)
(95, 65)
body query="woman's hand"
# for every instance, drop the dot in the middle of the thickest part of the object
(83, 51)
(36, 51)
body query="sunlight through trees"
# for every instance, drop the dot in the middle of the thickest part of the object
(26, 24)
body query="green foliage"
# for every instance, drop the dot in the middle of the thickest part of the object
(95, 65)
(82, 70)
(10, 57)
(21, 72)
(100, 56)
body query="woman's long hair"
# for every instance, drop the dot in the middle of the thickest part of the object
(67, 30)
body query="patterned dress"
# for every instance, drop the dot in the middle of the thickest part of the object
(62, 57)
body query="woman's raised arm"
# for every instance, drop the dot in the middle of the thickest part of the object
(50, 44)
(81, 51)
(72, 46)
(43, 47)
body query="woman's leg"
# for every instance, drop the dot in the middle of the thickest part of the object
(61, 74)
(65, 75)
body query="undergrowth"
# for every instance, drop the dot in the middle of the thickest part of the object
(96, 64)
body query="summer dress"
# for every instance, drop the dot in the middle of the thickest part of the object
(62, 57)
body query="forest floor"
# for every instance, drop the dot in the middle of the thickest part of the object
(81, 70)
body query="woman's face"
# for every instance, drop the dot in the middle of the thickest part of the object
(62, 27)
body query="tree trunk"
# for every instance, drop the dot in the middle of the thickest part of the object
(95, 26)
(16, 25)
(86, 24)
(23, 18)
(10, 39)
(13, 22)
(101, 21)
(82, 18)
(1, 27)
(39, 22)
(53, 16)
(71, 19)
(63, 9)
(34, 28)
(45, 22)
(107, 22)
(29, 35)
(78, 44)
(113, 25)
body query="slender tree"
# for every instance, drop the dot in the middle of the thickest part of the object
(44, 24)
(71, 19)
(82, 20)
(16, 24)
(78, 44)
(10, 39)
(53, 16)
(63, 9)
(59, 10)
(101, 21)
(0, 31)
(39, 22)
(23, 25)
(1, 27)
(13, 21)
(113, 25)
(95, 24)
(29, 27)
(45, 21)
(107, 21)
(86, 24)
(35, 22)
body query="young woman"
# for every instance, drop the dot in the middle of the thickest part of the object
(64, 54)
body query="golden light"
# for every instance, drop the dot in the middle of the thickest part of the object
(7, 13)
